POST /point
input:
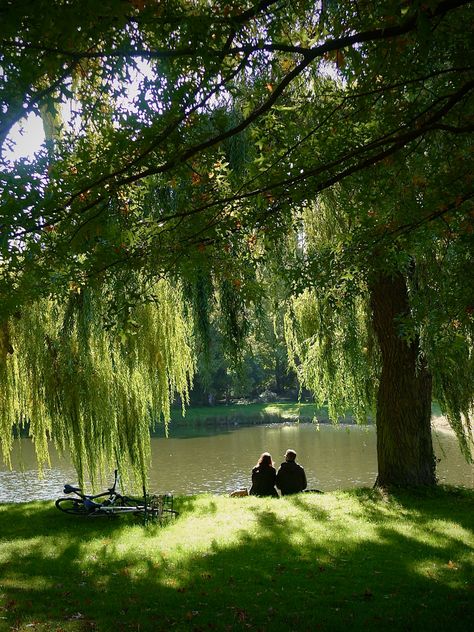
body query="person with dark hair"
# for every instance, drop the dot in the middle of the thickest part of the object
(291, 477)
(263, 477)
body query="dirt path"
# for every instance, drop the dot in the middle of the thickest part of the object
(441, 424)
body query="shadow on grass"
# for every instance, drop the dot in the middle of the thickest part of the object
(289, 564)
(27, 520)
(302, 502)
(419, 504)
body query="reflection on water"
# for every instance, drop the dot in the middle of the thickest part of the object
(220, 460)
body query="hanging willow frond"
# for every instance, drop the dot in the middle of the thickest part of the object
(451, 360)
(91, 393)
(330, 352)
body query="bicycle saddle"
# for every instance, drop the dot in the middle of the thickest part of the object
(69, 488)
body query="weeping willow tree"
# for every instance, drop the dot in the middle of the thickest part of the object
(94, 383)
(387, 329)
(330, 353)
(327, 326)
(94, 391)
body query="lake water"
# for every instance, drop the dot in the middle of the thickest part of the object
(220, 460)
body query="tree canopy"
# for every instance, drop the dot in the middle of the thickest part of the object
(208, 147)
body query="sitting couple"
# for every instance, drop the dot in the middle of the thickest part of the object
(290, 478)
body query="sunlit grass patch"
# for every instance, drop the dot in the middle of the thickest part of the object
(290, 411)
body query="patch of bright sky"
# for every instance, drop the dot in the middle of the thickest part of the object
(27, 137)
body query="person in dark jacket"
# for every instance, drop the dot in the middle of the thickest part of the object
(291, 477)
(263, 477)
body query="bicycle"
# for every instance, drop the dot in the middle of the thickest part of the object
(151, 507)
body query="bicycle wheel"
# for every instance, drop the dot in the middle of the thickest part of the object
(72, 506)
(169, 514)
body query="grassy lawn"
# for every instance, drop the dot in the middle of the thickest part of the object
(291, 411)
(336, 561)
(284, 411)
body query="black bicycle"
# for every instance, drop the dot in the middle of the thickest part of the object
(112, 503)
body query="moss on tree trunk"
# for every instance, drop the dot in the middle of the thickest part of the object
(404, 445)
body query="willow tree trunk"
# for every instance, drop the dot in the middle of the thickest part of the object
(404, 445)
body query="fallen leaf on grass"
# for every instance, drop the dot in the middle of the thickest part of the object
(241, 615)
(77, 615)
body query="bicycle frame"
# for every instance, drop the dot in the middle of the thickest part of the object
(89, 499)
(155, 507)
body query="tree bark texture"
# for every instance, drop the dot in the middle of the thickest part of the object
(404, 445)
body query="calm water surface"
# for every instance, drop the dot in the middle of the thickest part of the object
(218, 461)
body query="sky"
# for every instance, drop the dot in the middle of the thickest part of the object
(28, 135)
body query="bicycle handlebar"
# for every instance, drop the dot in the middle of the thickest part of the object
(68, 489)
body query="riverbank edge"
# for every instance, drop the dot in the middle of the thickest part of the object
(183, 501)
(253, 414)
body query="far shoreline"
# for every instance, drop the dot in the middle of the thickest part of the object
(261, 413)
